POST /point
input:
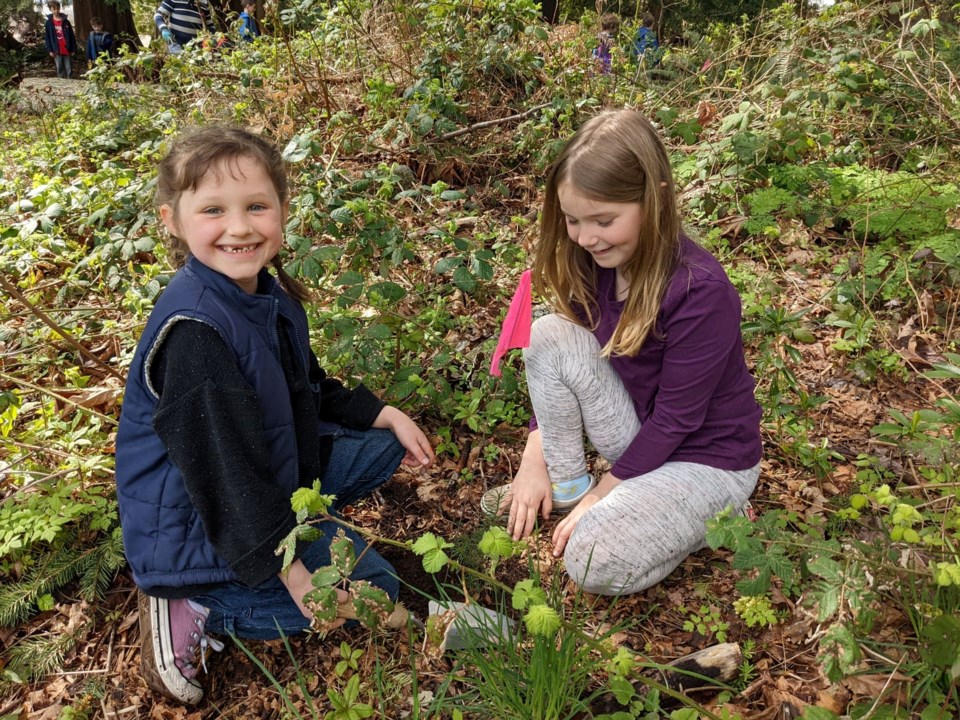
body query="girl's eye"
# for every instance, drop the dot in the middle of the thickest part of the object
(258, 207)
(211, 211)
(605, 223)
(572, 221)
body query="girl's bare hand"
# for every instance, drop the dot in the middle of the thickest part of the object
(419, 451)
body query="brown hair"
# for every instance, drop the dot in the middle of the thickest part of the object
(201, 150)
(610, 22)
(614, 157)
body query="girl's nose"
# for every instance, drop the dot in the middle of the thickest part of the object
(239, 225)
(586, 239)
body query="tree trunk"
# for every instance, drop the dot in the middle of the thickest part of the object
(117, 19)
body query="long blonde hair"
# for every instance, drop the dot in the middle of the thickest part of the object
(199, 150)
(614, 157)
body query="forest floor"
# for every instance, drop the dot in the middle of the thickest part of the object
(785, 676)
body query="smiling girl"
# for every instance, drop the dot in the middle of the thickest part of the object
(227, 412)
(643, 356)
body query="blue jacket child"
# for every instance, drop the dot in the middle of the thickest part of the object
(645, 45)
(99, 42)
(249, 29)
(227, 412)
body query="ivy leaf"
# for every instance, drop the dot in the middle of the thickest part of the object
(525, 594)
(542, 620)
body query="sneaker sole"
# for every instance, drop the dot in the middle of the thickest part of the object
(154, 670)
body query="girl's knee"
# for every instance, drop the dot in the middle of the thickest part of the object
(589, 561)
(599, 563)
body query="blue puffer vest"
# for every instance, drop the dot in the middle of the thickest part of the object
(163, 537)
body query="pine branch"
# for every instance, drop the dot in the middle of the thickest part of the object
(38, 656)
(94, 566)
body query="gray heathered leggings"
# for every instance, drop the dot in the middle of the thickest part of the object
(642, 530)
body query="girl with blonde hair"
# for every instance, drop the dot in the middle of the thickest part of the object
(643, 355)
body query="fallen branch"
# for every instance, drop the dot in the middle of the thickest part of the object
(492, 123)
(14, 292)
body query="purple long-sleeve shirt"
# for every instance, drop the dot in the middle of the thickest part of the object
(689, 382)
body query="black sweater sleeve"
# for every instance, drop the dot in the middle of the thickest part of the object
(356, 409)
(209, 420)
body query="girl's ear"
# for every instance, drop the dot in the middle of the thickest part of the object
(168, 218)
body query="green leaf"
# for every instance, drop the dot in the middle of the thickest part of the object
(525, 593)
(542, 620)
(464, 280)
(825, 567)
(431, 550)
(372, 604)
(310, 501)
(818, 713)
(323, 603)
(326, 576)
(446, 264)
(496, 543)
(46, 602)
(941, 641)
(343, 555)
(453, 195)
(622, 689)
(389, 291)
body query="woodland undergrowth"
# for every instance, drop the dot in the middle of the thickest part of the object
(817, 157)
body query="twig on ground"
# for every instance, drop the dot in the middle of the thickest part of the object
(491, 123)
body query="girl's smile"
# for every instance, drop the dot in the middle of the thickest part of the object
(609, 231)
(232, 222)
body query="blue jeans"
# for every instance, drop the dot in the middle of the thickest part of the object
(64, 65)
(360, 462)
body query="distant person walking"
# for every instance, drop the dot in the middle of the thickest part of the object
(99, 42)
(249, 29)
(180, 21)
(59, 39)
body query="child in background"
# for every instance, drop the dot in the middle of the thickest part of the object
(59, 39)
(227, 412)
(248, 26)
(644, 355)
(181, 21)
(645, 44)
(606, 40)
(99, 42)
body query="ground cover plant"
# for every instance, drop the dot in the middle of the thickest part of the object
(817, 157)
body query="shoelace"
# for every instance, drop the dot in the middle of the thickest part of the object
(204, 641)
